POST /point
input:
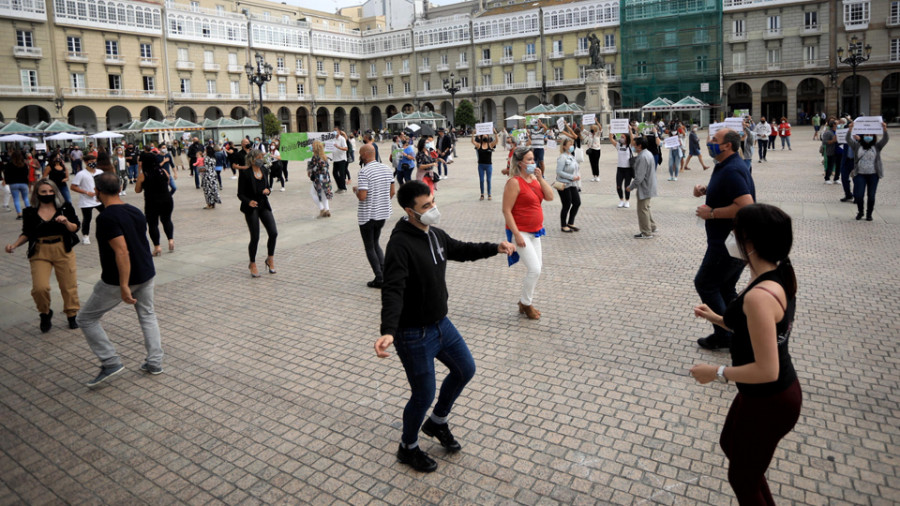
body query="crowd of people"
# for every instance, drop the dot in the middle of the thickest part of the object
(755, 324)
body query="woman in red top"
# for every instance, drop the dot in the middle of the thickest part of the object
(784, 129)
(525, 190)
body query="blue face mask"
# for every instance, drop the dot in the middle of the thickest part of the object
(714, 149)
(571, 149)
(530, 168)
(868, 138)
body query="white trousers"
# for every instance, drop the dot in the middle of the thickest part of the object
(319, 198)
(532, 258)
(7, 194)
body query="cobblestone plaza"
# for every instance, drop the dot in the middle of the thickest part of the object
(272, 392)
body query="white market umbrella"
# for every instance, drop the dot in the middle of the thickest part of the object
(63, 136)
(17, 138)
(515, 117)
(106, 134)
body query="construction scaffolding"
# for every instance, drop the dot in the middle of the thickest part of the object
(671, 49)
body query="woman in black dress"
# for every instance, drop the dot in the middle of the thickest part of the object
(49, 227)
(253, 192)
(768, 401)
(153, 181)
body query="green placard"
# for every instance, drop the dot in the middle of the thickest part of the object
(296, 146)
(740, 113)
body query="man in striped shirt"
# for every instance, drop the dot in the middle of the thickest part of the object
(375, 190)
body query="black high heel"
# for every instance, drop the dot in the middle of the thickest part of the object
(269, 267)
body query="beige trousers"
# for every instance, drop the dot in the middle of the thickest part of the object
(645, 217)
(50, 257)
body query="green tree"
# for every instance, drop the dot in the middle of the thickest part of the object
(465, 114)
(271, 125)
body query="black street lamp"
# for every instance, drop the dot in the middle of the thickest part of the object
(854, 57)
(451, 86)
(260, 76)
(59, 102)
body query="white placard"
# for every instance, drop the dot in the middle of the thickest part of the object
(551, 144)
(484, 128)
(704, 87)
(618, 126)
(673, 142)
(868, 125)
(40, 146)
(715, 127)
(561, 124)
(736, 124)
(841, 135)
(588, 119)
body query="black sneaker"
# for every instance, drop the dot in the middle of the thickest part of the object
(375, 283)
(643, 236)
(72, 323)
(868, 218)
(106, 372)
(859, 216)
(46, 322)
(152, 369)
(417, 459)
(714, 342)
(847, 199)
(441, 431)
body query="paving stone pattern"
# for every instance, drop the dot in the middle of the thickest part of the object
(272, 392)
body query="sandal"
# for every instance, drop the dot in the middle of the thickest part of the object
(567, 230)
(574, 228)
(482, 197)
(489, 197)
(529, 311)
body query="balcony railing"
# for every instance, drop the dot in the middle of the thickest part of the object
(211, 67)
(432, 93)
(557, 55)
(28, 10)
(234, 68)
(301, 72)
(529, 57)
(282, 71)
(485, 62)
(809, 29)
(443, 67)
(404, 71)
(388, 73)
(608, 50)
(27, 52)
(148, 62)
(893, 20)
(321, 73)
(77, 57)
(354, 75)
(8, 90)
(566, 82)
(511, 86)
(856, 24)
(338, 75)
(799, 65)
(582, 52)
(114, 60)
(507, 60)
(372, 75)
(108, 93)
(462, 64)
(184, 65)
(424, 69)
(738, 37)
(772, 33)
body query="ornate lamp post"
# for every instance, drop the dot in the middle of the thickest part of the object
(855, 57)
(259, 76)
(451, 86)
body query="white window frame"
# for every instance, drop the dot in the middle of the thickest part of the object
(811, 20)
(74, 45)
(24, 38)
(184, 84)
(112, 48)
(895, 50)
(146, 50)
(29, 79)
(114, 78)
(148, 83)
(76, 80)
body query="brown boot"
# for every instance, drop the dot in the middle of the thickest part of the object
(529, 311)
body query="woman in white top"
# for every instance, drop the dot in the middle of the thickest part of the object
(83, 183)
(274, 159)
(121, 164)
(591, 139)
(624, 171)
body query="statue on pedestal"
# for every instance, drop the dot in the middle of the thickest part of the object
(596, 63)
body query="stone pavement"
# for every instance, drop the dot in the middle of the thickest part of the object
(272, 392)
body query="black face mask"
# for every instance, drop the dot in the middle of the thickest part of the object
(47, 199)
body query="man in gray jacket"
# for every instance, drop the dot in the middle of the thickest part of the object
(645, 183)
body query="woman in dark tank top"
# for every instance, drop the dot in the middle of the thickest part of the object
(768, 402)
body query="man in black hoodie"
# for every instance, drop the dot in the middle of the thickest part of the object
(414, 312)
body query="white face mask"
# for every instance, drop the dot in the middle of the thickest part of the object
(733, 249)
(429, 217)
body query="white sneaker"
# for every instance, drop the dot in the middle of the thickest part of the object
(233, 177)
(828, 181)
(85, 240)
(674, 179)
(282, 188)
(627, 204)
(621, 204)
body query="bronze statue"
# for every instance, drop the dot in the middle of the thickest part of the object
(596, 63)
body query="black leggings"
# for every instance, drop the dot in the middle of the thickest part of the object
(159, 209)
(268, 220)
(624, 175)
(571, 201)
(763, 145)
(86, 214)
(276, 173)
(594, 157)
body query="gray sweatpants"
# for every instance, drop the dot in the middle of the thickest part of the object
(104, 298)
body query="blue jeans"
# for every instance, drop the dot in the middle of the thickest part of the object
(417, 348)
(749, 162)
(846, 169)
(865, 185)
(785, 140)
(132, 172)
(716, 280)
(64, 191)
(674, 162)
(485, 169)
(441, 163)
(174, 188)
(19, 191)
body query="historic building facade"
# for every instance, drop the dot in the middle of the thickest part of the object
(102, 63)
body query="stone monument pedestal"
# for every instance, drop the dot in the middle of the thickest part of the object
(597, 95)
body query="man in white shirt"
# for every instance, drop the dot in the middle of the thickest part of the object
(375, 190)
(339, 159)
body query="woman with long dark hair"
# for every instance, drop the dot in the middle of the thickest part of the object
(253, 192)
(484, 147)
(153, 181)
(208, 180)
(15, 176)
(624, 171)
(867, 168)
(768, 402)
(56, 172)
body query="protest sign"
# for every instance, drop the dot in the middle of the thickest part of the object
(736, 124)
(672, 142)
(841, 135)
(740, 113)
(551, 144)
(715, 127)
(484, 128)
(588, 119)
(561, 124)
(868, 125)
(519, 135)
(618, 126)
(298, 146)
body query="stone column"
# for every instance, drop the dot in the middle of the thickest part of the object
(597, 95)
(791, 106)
(831, 100)
(756, 104)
